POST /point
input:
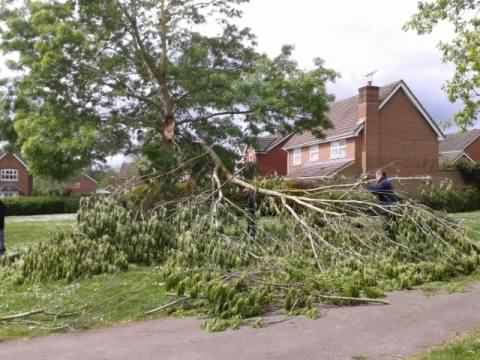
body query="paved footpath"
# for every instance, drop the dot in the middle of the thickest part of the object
(414, 322)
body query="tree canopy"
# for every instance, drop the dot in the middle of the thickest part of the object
(94, 73)
(463, 50)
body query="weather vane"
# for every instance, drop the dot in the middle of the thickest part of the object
(369, 76)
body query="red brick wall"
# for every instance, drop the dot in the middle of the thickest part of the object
(24, 184)
(408, 144)
(81, 185)
(274, 162)
(473, 150)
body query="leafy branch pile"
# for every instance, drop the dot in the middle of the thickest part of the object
(295, 264)
(107, 239)
(349, 252)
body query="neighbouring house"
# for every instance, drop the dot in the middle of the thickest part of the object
(381, 127)
(15, 179)
(460, 146)
(269, 155)
(83, 184)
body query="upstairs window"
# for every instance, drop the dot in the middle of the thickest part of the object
(314, 153)
(338, 150)
(297, 157)
(8, 175)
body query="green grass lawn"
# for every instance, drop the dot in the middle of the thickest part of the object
(472, 221)
(22, 234)
(101, 301)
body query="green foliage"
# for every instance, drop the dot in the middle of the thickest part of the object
(41, 205)
(107, 238)
(445, 198)
(91, 74)
(462, 51)
(470, 172)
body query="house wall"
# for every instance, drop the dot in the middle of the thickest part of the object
(473, 150)
(81, 185)
(24, 184)
(408, 144)
(273, 162)
(323, 154)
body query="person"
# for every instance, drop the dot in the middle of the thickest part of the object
(383, 189)
(3, 213)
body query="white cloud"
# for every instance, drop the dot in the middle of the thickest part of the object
(354, 38)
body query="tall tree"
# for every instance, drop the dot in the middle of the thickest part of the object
(96, 72)
(463, 50)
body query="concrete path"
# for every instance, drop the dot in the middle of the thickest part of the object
(41, 218)
(412, 323)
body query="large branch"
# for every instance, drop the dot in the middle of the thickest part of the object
(211, 116)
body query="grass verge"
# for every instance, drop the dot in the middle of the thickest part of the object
(97, 302)
(464, 348)
(22, 234)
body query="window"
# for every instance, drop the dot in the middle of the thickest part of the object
(5, 194)
(8, 175)
(338, 150)
(297, 156)
(314, 153)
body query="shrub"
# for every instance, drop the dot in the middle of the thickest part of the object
(470, 172)
(444, 197)
(41, 205)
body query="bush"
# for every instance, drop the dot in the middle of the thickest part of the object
(470, 172)
(445, 198)
(41, 205)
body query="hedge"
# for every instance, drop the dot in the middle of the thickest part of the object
(451, 200)
(41, 205)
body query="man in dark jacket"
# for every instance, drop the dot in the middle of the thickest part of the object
(3, 213)
(383, 189)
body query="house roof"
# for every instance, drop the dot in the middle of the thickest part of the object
(266, 143)
(321, 170)
(17, 157)
(343, 115)
(460, 141)
(451, 157)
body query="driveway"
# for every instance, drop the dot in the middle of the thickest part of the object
(412, 323)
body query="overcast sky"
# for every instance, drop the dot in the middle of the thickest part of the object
(354, 38)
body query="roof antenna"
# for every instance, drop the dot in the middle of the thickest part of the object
(369, 77)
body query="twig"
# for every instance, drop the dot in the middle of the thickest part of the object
(363, 300)
(166, 306)
(22, 315)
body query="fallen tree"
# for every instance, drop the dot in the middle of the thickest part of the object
(312, 249)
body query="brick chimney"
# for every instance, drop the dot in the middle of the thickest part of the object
(368, 113)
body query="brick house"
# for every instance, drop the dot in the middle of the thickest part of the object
(269, 155)
(82, 184)
(381, 127)
(464, 145)
(15, 179)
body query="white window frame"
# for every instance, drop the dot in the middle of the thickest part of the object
(314, 153)
(9, 175)
(338, 150)
(7, 194)
(297, 157)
